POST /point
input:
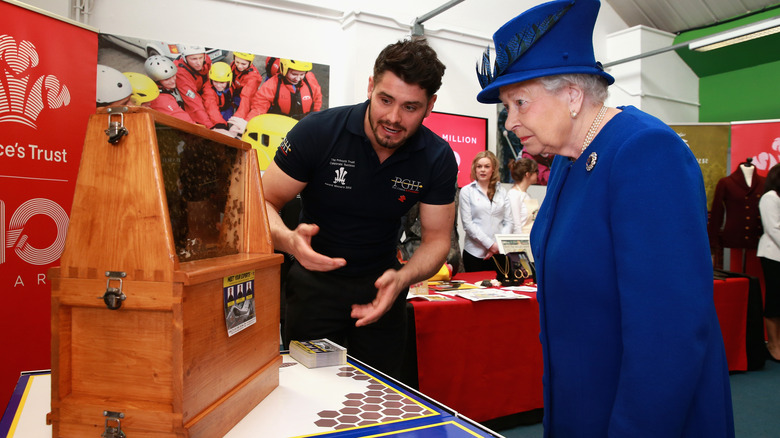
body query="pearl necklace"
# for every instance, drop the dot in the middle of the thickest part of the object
(594, 127)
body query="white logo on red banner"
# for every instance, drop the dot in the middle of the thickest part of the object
(23, 95)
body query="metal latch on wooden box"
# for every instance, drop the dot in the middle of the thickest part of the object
(114, 430)
(116, 130)
(114, 296)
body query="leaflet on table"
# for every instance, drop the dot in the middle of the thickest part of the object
(432, 297)
(491, 294)
(317, 353)
(521, 288)
(454, 285)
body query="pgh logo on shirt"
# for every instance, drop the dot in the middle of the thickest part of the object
(406, 185)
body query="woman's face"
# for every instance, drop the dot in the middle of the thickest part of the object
(540, 120)
(241, 63)
(295, 76)
(483, 170)
(533, 177)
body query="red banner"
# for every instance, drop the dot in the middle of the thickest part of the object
(47, 92)
(466, 135)
(759, 140)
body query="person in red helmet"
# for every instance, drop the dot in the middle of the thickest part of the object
(163, 72)
(191, 77)
(293, 92)
(246, 81)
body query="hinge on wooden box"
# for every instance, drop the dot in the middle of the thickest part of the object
(114, 296)
(115, 429)
(116, 130)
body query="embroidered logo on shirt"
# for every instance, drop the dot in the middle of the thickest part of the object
(340, 176)
(284, 146)
(191, 94)
(406, 185)
(402, 198)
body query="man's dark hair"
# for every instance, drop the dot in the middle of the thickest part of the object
(414, 61)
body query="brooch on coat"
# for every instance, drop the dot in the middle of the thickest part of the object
(591, 163)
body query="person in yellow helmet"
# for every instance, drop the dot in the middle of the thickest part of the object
(293, 92)
(145, 89)
(218, 96)
(246, 80)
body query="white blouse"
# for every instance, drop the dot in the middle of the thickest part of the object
(483, 219)
(769, 244)
(520, 213)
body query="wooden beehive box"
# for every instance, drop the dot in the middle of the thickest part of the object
(172, 218)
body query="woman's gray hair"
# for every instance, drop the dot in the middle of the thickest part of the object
(595, 87)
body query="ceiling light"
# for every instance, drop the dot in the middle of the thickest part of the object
(741, 34)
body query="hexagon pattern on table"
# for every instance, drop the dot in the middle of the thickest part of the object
(379, 404)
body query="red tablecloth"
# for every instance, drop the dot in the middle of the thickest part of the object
(484, 360)
(731, 304)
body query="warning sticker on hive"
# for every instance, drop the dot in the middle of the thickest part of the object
(238, 292)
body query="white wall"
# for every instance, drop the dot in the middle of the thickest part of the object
(662, 85)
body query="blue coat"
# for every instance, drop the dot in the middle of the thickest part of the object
(631, 342)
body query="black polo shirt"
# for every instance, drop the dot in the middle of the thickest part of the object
(356, 200)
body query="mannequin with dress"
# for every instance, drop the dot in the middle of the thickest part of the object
(735, 221)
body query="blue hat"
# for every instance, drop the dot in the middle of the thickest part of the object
(549, 39)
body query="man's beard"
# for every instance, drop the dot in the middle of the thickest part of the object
(377, 129)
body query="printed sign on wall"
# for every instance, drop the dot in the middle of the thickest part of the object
(466, 135)
(710, 144)
(759, 141)
(47, 92)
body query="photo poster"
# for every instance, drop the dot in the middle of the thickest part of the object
(128, 54)
(709, 144)
(466, 135)
(47, 93)
(759, 140)
(510, 148)
(514, 243)
(238, 292)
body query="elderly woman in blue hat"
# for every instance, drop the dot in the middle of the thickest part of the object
(630, 337)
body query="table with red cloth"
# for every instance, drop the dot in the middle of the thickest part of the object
(484, 359)
(731, 304)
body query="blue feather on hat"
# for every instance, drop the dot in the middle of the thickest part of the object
(508, 53)
(552, 38)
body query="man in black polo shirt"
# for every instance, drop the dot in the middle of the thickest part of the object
(359, 169)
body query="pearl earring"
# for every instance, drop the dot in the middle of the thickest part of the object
(573, 114)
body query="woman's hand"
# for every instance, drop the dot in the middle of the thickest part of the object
(493, 250)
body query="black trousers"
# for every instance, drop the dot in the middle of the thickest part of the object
(475, 264)
(319, 306)
(771, 270)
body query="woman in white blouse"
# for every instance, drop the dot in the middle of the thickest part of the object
(769, 254)
(484, 212)
(524, 172)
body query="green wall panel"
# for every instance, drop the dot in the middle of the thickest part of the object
(747, 94)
